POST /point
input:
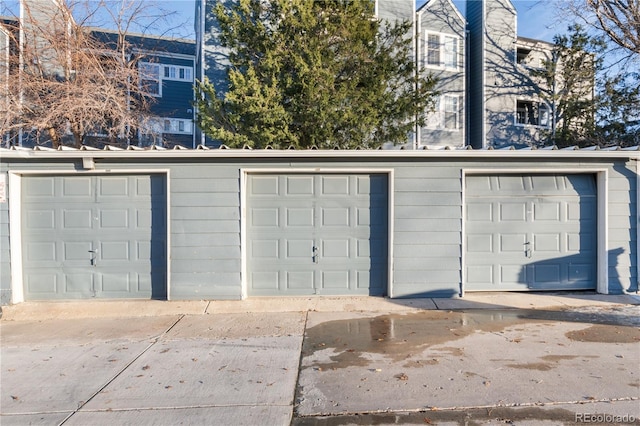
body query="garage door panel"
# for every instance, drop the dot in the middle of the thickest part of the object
(581, 242)
(105, 238)
(335, 248)
(512, 276)
(41, 252)
(547, 242)
(583, 210)
(581, 272)
(334, 213)
(265, 249)
(513, 212)
(115, 283)
(114, 219)
(37, 188)
(547, 272)
(115, 251)
(264, 185)
(300, 216)
(546, 225)
(515, 243)
(480, 274)
(113, 186)
(479, 212)
(373, 248)
(79, 285)
(480, 243)
(265, 217)
(262, 280)
(75, 187)
(76, 251)
(298, 280)
(335, 280)
(40, 219)
(300, 185)
(42, 283)
(335, 216)
(335, 185)
(549, 211)
(77, 219)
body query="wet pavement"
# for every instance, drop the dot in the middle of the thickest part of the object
(468, 367)
(549, 366)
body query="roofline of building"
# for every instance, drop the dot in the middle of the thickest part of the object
(141, 35)
(534, 41)
(425, 6)
(186, 153)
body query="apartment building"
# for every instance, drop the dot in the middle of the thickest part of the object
(166, 69)
(487, 96)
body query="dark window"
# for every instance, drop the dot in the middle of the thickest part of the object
(532, 113)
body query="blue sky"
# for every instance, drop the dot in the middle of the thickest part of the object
(536, 18)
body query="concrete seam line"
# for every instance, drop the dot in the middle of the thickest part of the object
(154, 340)
(176, 407)
(296, 393)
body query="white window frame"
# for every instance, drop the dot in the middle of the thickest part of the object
(149, 77)
(177, 73)
(172, 126)
(448, 51)
(540, 120)
(437, 120)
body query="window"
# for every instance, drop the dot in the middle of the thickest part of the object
(177, 126)
(446, 115)
(450, 52)
(441, 51)
(522, 54)
(450, 112)
(532, 113)
(174, 72)
(150, 78)
(433, 50)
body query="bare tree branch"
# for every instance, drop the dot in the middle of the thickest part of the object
(620, 20)
(68, 81)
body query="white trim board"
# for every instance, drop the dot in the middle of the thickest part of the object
(602, 176)
(244, 172)
(15, 215)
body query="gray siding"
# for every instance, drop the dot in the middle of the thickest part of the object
(441, 17)
(393, 10)
(204, 192)
(501, 75)
(5, 255)
(205, 232)
(427, 230)
(623, 232)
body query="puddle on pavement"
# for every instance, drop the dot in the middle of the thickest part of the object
(399, 337)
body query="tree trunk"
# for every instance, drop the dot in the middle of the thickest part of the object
(55, 139)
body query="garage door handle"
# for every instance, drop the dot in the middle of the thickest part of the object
(527, 250)
(314, 250)
(93, 260)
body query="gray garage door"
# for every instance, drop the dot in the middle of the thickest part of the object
(535, 232)
(317, 234)
(94, 236)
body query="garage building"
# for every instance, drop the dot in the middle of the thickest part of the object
(230, 224)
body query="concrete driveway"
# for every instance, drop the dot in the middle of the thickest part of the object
(491, 360)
